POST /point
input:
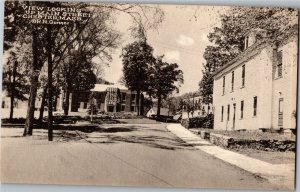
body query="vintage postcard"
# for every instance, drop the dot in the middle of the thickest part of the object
(149, 95)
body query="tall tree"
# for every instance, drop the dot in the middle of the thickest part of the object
(15, 80)
(164, 78)
(137, 58)
(17, 29)
(170, 103)
(83, 79)
(97, 40)
(228, 39)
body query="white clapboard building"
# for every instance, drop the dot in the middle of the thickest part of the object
(258, 88)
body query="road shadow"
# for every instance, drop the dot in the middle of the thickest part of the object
(12, 136)
(137, 121)
(115, 129)
(151, 137)
(160, 142)
(133, 134)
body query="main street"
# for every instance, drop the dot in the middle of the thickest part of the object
(144, 155)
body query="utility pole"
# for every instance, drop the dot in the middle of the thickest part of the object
(50, 69)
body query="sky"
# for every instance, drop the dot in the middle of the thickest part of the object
(181, 37)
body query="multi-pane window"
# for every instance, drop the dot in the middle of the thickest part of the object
(242, 109)
(279, 64)
(222, 113)
(254, 106)
(228, 112)
(123, 96)
(243, 76)
(232, 81)
(223, 85)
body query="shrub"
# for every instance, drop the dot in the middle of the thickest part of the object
(199, 122)
(209, 121)
(164, 118)
(92, 109)
(20, 120)
(64, 119)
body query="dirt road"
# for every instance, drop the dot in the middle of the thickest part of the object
(117, 155)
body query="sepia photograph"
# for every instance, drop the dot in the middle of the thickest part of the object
(149, 95)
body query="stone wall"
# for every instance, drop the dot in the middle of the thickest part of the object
(234, 143)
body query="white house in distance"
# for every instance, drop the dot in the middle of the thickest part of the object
(200, 109)
(258, 89)
(153, 111)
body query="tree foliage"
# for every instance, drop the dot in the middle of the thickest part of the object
(228, 39)
(137, 58)
(15, 81)
(143, 72)
(144, 17)
(92, 38)
(164, 78)
(15, 76)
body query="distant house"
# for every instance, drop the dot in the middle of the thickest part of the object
(163, 111)
(18, 104)
(199, 108)
(258, 88)
(109, 98)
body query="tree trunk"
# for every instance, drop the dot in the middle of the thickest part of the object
(42, 108)
(137, 101)
(11, 112)
(55, 103)
(57, 91)
(66, 104)
(12, 95)
(74, 106)
(31, 103)
(140, 103)
(33, 87)
(158, 105)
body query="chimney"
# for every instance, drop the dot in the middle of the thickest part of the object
(252, 36)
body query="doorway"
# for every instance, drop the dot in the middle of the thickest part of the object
(233, 120)
(280, 113)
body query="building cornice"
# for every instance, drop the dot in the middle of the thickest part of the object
(250, 52)
(245, 56)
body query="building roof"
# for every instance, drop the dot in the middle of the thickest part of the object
(103, 87)
(244, 56)
(255, 30)
(255, 49)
